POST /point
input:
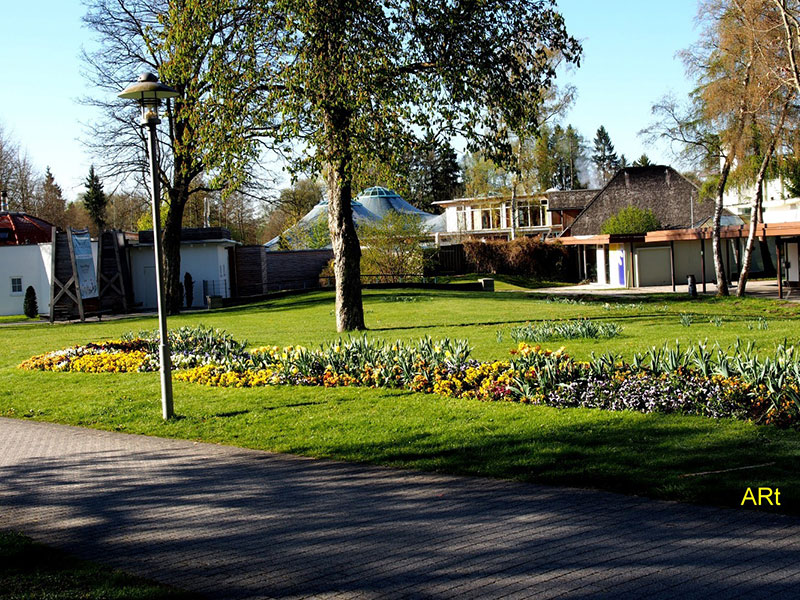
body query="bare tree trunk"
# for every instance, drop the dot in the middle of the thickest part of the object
(751, 234)
(755, 207)
(513, 224)
(346, 247)
(172, 250)
(719, 267)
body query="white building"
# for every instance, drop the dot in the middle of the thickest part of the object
(778, 204)
(206, 254)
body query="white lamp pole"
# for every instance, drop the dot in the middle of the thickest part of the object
(149, 92)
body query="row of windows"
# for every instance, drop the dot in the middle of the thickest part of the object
(529, 214)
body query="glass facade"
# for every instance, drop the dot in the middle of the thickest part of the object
(497, 215)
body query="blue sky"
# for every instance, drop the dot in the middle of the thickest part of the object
(629, 63)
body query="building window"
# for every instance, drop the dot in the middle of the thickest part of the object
(487, 217)
(530, 214)
(16, 286)
(461, 219)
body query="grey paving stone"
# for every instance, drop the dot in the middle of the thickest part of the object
(240, 524)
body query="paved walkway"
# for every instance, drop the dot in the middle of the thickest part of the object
(234, 523)
(757, 289)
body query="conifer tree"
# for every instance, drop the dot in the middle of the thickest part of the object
(52, 206)
(95, 200)
(604, 158)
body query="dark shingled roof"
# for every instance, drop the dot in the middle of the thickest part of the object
(672, 198)
(569, 199)
(192, 234)
(17, 229)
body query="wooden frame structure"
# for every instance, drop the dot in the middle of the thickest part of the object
(65, 290)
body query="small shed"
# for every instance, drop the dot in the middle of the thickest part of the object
(206, 254)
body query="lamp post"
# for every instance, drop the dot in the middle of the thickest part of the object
(148, 92)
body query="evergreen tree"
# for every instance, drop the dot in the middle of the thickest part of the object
(642, 161)
(604, 158)
(29, 306)
(434, 174)
(95, 200)
(544, 155)
(52, 206)
(569, 156)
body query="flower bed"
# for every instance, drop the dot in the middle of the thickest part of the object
(734, 383)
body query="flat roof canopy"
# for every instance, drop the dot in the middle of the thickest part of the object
(676, 235)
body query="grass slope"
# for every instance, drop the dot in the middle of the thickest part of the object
(653, 455)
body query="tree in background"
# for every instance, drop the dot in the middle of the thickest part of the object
(570, 158)
(306, 236)
(631, 220)
(604, 158)
(295, 201)
(482, 177)
(125, 208)
(208, 52)
(642, 161)
(392, 247)
(760, 34)
(292, 205)
(435, 174)
(364, 77)
(52, 205)
(24, 185)
(95, 200)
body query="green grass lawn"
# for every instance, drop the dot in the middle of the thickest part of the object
(31, 571)
(655, 455)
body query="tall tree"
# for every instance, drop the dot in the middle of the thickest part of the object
(207, 51)
(95, 200)
(604, 158)
(365, 76)
(434, 174)
(728, 88)
(570, 158)
(52, 205)
(25, 182)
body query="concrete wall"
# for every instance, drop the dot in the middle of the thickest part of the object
(32, 264)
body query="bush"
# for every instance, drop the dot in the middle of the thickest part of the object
(188, 289)
(527, 257)
(392, 247)
(631, 220)
(29, 306)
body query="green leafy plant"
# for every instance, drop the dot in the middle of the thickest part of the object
(686, 319)
(631, 220)
(566, 330)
